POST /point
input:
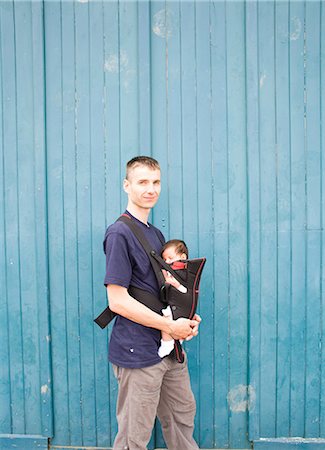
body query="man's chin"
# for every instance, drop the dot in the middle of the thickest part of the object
(149, 204)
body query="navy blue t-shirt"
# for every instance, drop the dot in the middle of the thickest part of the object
(127, 264)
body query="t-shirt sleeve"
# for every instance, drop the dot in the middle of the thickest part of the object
(118, 263)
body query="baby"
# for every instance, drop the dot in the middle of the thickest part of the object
(173, 250)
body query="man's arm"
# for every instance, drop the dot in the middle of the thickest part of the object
(123, 304)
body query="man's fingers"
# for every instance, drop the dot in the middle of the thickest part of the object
(189, 337)
(186, 329)
(182, 328)
(197, 318)
(195, 323)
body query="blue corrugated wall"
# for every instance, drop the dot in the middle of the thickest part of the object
(229, 96)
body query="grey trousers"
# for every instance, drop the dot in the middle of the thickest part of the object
(161, 390)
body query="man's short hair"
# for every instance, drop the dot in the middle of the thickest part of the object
(141, 161)
(180, 246)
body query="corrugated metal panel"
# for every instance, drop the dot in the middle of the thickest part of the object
(286, 186)
(76, 196)
(227, 96)
(26, 385)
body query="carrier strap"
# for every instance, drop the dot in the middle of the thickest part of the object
(142, 296)
(136, 230)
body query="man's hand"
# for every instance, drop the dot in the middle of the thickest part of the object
(183, 328)
(195, 330)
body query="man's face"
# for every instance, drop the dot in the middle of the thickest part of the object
(143, 186)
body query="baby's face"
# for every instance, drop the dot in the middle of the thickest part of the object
(170, 255)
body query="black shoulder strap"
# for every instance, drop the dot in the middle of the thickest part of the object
(156, 261)
(136, 230)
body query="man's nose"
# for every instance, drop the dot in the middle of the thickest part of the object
(151, 188)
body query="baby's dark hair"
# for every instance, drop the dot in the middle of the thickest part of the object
(180, 246)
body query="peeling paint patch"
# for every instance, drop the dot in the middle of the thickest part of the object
(48, 338)
(44, 389)
(293, 440)
(163, 23)
(296, 28)
(129, 79)
(241, 398)
(115, 63)
(262, 79)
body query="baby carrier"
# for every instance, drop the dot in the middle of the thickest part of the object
(186, 272)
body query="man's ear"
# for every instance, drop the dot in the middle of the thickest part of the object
(126, 185)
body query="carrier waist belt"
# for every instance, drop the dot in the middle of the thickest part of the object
(146, 298)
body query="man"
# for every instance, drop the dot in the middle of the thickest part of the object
(148, 385)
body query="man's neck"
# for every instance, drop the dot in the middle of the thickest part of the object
(139, 213)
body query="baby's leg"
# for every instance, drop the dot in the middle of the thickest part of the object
(167, 312)
(167, 342)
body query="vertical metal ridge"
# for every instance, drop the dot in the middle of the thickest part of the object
(5, 278)
(18, 208)
(321, 223)
(46, 218)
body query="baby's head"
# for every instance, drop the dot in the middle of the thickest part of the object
(174, 250)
